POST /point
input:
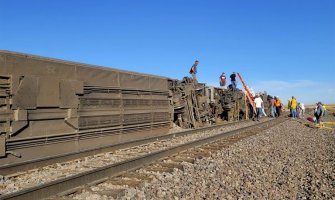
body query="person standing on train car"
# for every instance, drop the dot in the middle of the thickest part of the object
(259, 106)
(233, 80)
(193, 70)
(222, 80)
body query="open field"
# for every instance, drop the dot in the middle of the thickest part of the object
(330, 107)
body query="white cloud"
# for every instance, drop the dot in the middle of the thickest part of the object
(306, 91)
(283, 85)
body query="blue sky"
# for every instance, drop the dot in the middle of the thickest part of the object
(285, 47)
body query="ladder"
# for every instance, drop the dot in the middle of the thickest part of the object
(247, 92)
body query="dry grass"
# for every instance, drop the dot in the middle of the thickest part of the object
(330, 107)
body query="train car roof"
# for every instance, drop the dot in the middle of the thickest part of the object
(75, 63)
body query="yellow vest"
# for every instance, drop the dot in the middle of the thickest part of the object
(277, 103)
(293, 103)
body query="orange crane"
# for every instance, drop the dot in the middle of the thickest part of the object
(247, 92)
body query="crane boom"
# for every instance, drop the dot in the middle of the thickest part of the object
(250, 97)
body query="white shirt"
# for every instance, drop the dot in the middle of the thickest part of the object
(302, 106)
(258, 101)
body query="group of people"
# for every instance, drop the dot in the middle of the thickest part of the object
(222, 78)
(233, 80)
(297, 110)
(275, 106)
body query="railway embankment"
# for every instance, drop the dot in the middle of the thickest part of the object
(288, 161)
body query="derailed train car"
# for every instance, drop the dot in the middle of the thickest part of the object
(52, 107)
(196, 105)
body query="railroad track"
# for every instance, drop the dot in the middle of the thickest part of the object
(33, 164)
(20, 180)
(133, 160)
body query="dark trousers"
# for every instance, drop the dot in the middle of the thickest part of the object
(233, 83)
(318, 118)
(278, 111)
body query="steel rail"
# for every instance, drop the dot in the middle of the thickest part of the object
(17, 167)
(75, 181)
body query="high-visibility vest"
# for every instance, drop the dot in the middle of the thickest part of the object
(293, 103)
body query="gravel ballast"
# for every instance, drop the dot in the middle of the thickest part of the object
(56, 171)
(289, 161)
